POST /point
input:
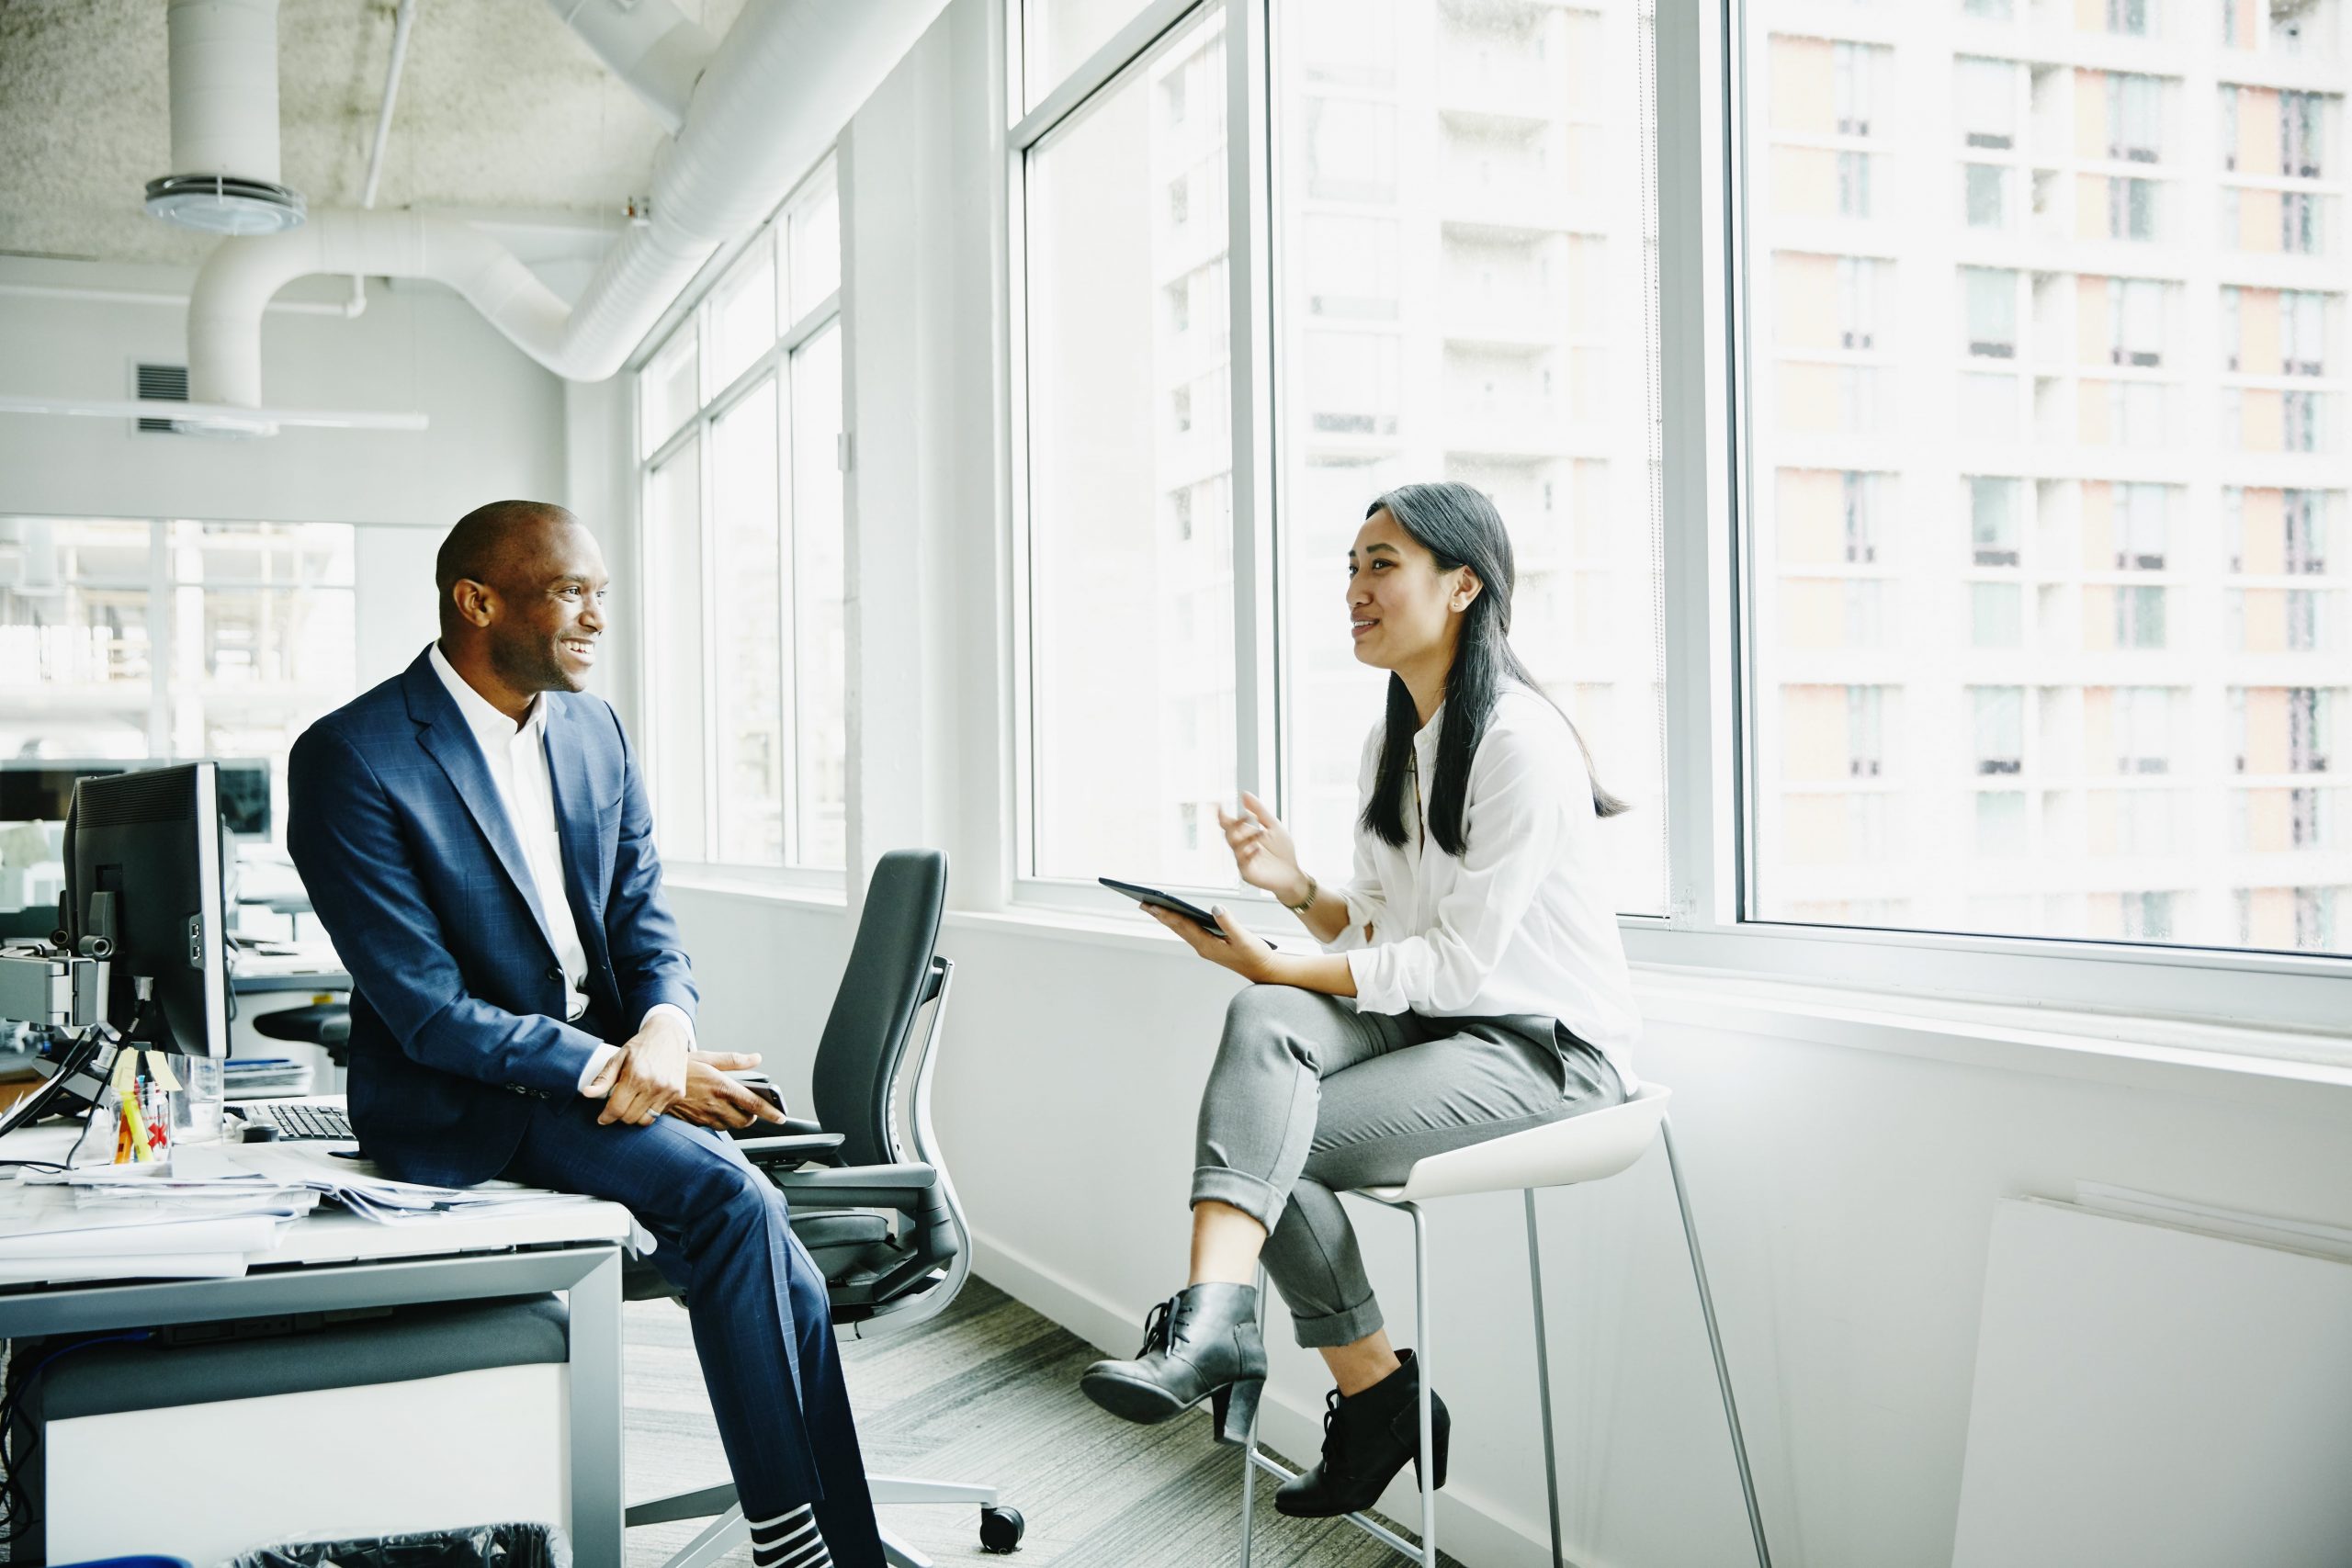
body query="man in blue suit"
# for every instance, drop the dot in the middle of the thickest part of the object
(474, 834)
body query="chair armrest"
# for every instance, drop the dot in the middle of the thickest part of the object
(906, 1187)
(802, 1124)
(787, 1146)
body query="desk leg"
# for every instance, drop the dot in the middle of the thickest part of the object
(595, 1373)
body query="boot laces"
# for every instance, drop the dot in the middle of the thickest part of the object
(1156, 1325)
(1331, 1444)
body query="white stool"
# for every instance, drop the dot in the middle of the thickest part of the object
(1589, 1147)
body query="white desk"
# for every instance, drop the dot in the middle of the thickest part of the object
(333, 1261)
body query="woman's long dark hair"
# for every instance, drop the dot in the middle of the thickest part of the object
(1460, 527)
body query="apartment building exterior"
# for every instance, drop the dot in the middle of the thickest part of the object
(2048, 445)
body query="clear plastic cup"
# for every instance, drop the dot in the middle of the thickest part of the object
(195, 1110)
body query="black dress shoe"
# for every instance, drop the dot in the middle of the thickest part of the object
(1367, 1437)
(1201, 1343)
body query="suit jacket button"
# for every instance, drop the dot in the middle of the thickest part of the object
(556, 974)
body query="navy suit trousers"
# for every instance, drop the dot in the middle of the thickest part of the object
(761, 1324)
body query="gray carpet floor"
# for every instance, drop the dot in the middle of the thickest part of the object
(987, 1391)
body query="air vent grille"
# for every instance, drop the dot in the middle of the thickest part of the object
(165, 383)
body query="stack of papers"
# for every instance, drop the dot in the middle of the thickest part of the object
(250, 1078)
(219, 1209)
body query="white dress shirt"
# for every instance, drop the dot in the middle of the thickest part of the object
(1522, 922)
(516, 756)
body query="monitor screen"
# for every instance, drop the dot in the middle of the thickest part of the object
(244, 797)
(142, 866)
(42, 791)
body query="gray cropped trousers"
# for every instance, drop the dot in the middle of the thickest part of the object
(1310, 1098)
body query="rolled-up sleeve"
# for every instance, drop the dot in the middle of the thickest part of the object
(1366, 902)
(1517, 811)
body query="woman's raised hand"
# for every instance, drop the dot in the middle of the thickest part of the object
(1263, 850)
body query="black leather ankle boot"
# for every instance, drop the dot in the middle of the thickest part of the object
(1367, 1437)
(1201, 1343)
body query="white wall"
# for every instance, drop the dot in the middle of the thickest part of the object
(1843, 1174)
(497, 419)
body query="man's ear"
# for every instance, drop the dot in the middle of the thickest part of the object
(477, 602)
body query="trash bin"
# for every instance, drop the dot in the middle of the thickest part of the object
(482, 1546)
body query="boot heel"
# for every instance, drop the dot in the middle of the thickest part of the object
(1441, 1434)
(1236, 1407)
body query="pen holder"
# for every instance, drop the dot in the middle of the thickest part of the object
(137, 1111)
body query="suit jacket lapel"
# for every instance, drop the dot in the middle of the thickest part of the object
(450, 743)
(575, 817)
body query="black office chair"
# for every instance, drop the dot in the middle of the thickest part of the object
(324, 1024)
(886, 1229)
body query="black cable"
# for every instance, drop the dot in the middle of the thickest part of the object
(16, 1511)
(36, 1163)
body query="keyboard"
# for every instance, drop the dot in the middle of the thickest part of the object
(296, 1119)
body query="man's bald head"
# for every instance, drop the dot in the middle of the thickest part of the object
(521, 586)
(490, 543)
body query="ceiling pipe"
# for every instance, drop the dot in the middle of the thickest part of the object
(401, 21)
(774, 99)
(224, 175)
(650, 44)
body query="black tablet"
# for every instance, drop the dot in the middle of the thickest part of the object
(1167, 901)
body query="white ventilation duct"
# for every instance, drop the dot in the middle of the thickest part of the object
(224, 175)
(649, 44)
(774, 97)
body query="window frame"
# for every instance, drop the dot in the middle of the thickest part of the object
(1257, 678)
(694, 314)
(1707, 372)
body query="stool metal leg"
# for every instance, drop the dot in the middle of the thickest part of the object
(1426, 1471)
(1250, 1444)
(1543, 1378)
(1715, 1342)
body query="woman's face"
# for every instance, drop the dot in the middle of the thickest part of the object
(1401, 608)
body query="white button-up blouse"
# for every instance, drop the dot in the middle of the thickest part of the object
(1523, 920)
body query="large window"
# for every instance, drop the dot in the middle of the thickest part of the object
(1969, 426)
(143, 641)
(1455, 284)
(740, 421)
(2116, 682)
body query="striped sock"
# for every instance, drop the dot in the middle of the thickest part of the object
(789, 1540)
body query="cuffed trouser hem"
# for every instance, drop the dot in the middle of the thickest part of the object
(1338, 1328)
(1258, 1199)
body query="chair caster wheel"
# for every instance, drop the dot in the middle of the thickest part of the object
(1000, 1530)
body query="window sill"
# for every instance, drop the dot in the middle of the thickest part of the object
(2273, 1065)
(772, 888)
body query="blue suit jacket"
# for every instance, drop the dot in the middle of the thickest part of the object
(458, 999)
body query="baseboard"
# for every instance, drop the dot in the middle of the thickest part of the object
(1471, 1527)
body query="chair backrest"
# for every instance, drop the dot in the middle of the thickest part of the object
(888, 980)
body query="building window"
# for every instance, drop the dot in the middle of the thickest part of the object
(1985, 196)
(2139, 618)
(151, 641)
(746, 689)
(2134, 118)
(1991, 296)
(2000, 729)
(2130, 210)
(1854, 185)
(1993, 521)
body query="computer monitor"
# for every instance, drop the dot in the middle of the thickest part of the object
(142, 859)
(245, 796)
(41, 789)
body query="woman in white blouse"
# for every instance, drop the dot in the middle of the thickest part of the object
(1472, 985)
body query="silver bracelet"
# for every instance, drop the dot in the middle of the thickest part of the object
(1307, 903)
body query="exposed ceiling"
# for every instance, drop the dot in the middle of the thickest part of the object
(500, 106)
